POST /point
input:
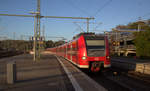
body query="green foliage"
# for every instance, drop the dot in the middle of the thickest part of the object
(49, 44)
(142, 38)
(142, 25)
(142, 42)
(134, 25)
(57, 43)
(25, 46)
(16, 45)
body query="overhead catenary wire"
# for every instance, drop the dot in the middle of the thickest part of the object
(99, 10)
(136, 19)
(97, 26)
(79, 26)
(76, 7)
(85, 12)
(102, 7)
(145, 15)
(37, 16)
(140, 17)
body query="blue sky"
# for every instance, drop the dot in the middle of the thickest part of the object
(108, 12)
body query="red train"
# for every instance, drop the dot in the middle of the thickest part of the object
(86, 50)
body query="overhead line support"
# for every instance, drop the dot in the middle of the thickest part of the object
(37, 16)
(16, 15)
(67, 17)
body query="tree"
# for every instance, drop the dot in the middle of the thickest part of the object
(49, 44)
(16, 45)
(142, 38)
(134, 25)
(60, 42)
(142, 42)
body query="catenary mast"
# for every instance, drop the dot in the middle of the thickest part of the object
(37, 33)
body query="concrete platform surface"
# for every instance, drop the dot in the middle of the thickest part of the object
(44, 75)
(51, 73)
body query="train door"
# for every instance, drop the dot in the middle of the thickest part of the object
(71, 51)
(66, 51)
(76, 52)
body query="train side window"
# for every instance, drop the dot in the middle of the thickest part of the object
(68, 48)
(76, 46)
(73, 47)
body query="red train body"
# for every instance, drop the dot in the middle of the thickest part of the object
(86, 51)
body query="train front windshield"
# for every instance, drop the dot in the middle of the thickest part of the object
(95, 48)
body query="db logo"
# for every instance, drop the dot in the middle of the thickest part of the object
(96, 58)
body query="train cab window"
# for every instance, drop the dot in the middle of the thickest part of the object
(95, 44)
(95, 48)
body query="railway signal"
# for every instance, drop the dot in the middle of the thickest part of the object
(37, 16)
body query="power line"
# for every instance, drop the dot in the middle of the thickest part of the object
(102, 7)
(97, 26)
(146, 14)
(37, 33)
(78, 26)
(76, 7)
(136, 18)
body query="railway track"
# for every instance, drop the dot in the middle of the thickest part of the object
(119, 80)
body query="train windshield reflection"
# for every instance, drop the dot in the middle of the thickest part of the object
(95, 47)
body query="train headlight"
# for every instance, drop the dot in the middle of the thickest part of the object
(83, 57)
(108, 57)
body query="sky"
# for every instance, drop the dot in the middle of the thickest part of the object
(107, 13)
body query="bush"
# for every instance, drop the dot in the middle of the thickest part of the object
(142, 42)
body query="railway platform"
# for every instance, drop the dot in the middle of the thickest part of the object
(137, 65)
(50, 73)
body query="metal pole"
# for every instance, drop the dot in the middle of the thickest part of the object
(116, 42)
(37, 38)
(139, 26)
(87, 25)
(39, 42)
(37, 16)
(43, 32)
(34, 38)
(43, 39)
(38, 28)
(38, 5)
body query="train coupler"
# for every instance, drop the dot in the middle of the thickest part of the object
(95, 66)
